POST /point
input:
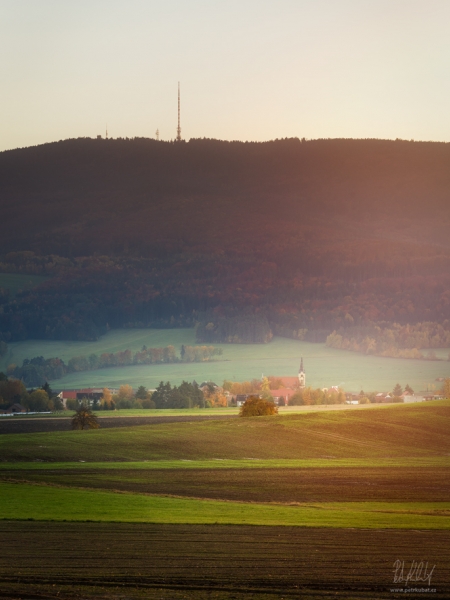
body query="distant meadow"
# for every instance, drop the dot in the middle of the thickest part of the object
(324, 366)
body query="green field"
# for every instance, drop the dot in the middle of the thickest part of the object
(324, 366)
(45, 503)
(396, 431)
(288, 470)
(14, 283)
(308, 493)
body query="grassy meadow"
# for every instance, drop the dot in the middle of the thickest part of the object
(349, 468)
(239, 362)
(312, 491)
(395, 431)
(45, 503)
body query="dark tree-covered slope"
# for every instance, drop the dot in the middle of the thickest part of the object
(77, 197)
(293, 237)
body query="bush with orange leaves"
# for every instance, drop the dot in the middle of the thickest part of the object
(257, 407)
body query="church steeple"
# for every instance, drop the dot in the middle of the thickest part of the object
(301, 375)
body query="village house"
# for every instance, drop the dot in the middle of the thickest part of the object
(408, 399)
(14, 409)
(90, 394)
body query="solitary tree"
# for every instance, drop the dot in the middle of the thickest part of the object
(84, 419)
(255, 407)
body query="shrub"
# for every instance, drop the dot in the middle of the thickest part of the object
(256, 407)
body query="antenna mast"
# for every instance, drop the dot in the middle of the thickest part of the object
(179, 127)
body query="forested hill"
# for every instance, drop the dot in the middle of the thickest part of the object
(292, 237)
(150, 198)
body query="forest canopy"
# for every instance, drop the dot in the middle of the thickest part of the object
(301, 238)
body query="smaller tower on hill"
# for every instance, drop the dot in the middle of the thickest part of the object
(301, 375)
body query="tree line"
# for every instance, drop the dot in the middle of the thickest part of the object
(36, 371)
(186, 395)
(86, 299)
(397, 341)
(13, 391)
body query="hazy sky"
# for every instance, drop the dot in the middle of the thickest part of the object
(249, 69)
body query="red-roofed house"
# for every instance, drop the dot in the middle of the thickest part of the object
(84, 393)
(284, 393)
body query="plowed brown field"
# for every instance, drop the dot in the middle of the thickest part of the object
(92, 560)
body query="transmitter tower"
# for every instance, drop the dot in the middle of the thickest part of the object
(179, 126)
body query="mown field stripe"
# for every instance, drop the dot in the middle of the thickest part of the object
(251, 463)
(46, 503)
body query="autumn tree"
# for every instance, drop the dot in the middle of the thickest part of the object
(256, 407)
(11, 390)
(84, 418)
(265, 390)
(307, 396)
(124, 397)
(265, 384)
(246, 387)
(218, 399)
(107, 402)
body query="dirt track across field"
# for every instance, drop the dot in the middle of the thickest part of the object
(38, 425)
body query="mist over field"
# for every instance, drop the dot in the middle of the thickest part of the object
(342, 242)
